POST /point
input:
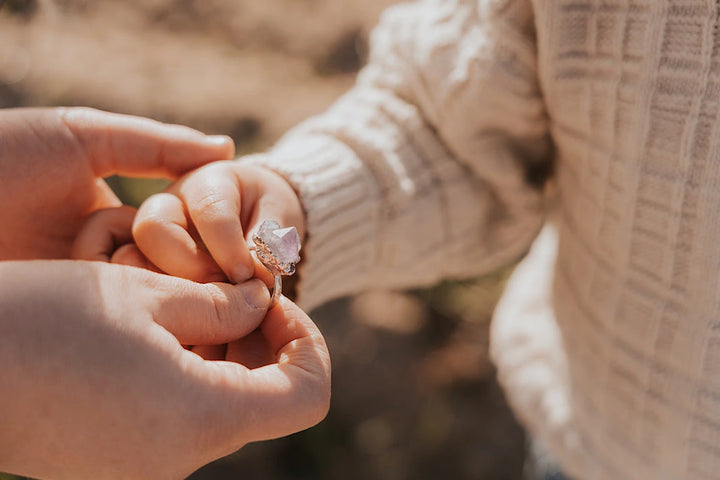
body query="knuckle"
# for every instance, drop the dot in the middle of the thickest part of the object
(217, 314)
(152, 215)
(217, 168)
(148, 226)
(230, 315)
(72, 114)
(210, 173)
(209, 206)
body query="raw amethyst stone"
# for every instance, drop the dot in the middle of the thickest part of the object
(283, 243)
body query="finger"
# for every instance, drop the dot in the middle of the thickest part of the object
(200, 314)
(134, 146)
(263, 273)
(287, 396)
(275, 199)
(252, 351)
(130, 255)
(103, 233)
(212, 200)
(105, 196)
(161, 233)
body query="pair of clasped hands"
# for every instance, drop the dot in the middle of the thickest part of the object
(114, 371)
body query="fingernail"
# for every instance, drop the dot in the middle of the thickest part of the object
(217, 140)
(256, 294)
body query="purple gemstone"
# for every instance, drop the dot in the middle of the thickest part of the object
(283, 243)
(265, 232)
(287, 245)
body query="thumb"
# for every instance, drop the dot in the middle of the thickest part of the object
(200, 313)
(135, 146)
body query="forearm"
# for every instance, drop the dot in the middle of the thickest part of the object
(432, 166)
(388, 206)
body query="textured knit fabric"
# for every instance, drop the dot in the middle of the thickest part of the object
(608, 339)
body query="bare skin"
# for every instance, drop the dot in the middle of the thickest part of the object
(52, 162)
(97, 386)
(200, 227)
(93, 353)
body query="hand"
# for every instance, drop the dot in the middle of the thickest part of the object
(198, 229)
(106, 236)
(52, 162)
(96, 383)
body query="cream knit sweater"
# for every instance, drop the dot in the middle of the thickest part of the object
(427, 169)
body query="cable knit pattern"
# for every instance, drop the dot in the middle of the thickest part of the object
(413, 176)
(423, 172)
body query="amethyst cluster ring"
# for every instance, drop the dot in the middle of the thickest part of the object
(278, 249)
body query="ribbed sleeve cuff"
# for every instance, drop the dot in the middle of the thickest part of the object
(341, 201)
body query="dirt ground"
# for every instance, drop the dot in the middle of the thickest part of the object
(414, 395)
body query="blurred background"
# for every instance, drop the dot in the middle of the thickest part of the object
(414, 395)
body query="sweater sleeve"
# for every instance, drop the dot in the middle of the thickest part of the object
(428, 168)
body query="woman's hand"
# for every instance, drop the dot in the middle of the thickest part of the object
(96, 382)
(52, 162)
(199, 228)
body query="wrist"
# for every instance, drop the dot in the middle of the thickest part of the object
(340, 201)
